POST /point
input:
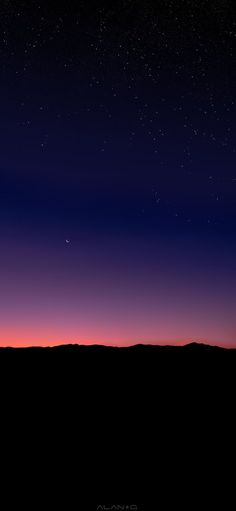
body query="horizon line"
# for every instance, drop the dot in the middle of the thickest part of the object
(115, 346)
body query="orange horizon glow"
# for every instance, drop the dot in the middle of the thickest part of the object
(47, 302)
(31, 340)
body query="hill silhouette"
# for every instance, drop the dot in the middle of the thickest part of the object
(136, 348)
(138, 364)
(103, 415)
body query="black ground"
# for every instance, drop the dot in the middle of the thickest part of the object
(89, 426)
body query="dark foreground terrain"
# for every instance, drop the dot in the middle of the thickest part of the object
(141, 366)
(95, 426)
(102, 368)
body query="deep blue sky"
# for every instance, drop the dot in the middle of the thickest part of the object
(118, 134)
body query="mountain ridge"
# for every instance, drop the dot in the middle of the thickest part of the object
(189, 347)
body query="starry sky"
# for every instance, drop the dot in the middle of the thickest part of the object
(117, 172)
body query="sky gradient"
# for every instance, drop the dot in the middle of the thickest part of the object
(117, 173)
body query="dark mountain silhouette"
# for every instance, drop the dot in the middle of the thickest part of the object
(139, 365)
(115, 424)
(137, 348)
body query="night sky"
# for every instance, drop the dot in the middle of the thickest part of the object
(117, 172)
